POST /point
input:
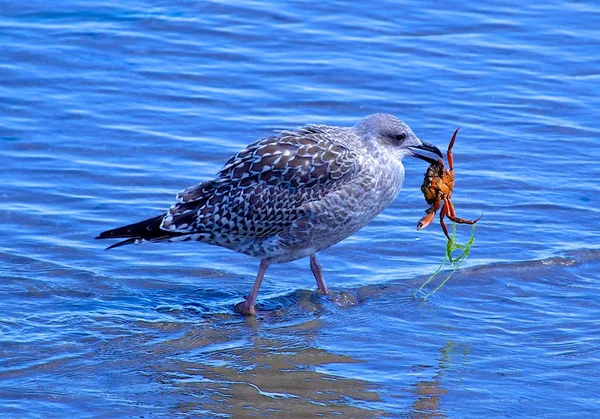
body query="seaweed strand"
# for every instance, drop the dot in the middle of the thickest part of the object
(451, 246)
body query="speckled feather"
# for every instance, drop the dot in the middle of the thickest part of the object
(289, 195)
(263, 190)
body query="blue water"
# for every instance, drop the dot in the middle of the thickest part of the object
(107, 109)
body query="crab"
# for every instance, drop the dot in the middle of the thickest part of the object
(437, 188)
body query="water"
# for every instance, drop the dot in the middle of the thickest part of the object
(107, 109)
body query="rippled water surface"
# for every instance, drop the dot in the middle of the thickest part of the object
(107, 109)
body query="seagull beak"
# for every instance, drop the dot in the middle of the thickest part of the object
(425, 147)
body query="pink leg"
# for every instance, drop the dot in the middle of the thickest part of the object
(315, 267)
(247, 307)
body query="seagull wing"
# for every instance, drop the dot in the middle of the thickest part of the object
(265, 187)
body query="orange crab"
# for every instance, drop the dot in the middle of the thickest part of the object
(437, 188)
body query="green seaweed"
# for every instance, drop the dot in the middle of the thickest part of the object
(451, 246)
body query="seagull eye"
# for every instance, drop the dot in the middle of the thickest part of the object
(400, 137)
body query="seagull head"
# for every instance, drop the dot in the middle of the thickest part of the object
(388, 132)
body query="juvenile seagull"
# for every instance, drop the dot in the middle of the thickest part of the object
(291, 195)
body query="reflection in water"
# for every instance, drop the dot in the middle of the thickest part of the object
(429, 393)
(240, 367)
(222, 364)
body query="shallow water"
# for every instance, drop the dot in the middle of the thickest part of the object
(108, 109)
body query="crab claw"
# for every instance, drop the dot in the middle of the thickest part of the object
(426, 220)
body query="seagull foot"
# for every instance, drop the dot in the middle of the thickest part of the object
(245, 308)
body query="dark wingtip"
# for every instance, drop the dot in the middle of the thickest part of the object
(123, 243)
(108, 234)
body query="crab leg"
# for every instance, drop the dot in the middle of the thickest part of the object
(452, 214)
(443, 213)
(451, 211)
(464, 221)
(449, 154)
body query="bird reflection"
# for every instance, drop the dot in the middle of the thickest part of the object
(227, 365)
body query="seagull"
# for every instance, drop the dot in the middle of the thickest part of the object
(291, 195)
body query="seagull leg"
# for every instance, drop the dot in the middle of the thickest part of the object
(315, 267)
(247, 307)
